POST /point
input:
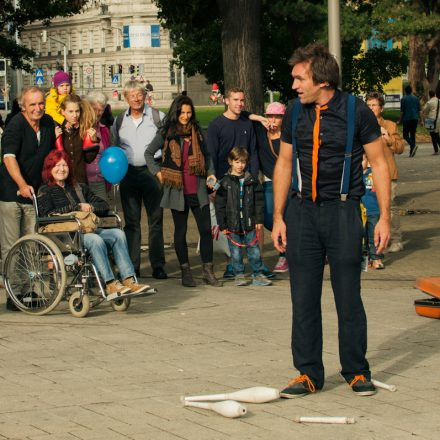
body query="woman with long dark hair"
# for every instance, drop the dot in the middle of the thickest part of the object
(184, 171)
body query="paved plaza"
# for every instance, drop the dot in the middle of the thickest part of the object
(120, 375)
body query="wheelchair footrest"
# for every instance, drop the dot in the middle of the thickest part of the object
(114, 296)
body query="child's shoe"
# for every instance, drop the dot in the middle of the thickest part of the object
(229, 272)
(267, 273)
(240, 280)
(260, 280)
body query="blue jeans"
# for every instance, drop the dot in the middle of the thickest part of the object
(268, 205)
(98, 244)
(369, 237)
(253, 253)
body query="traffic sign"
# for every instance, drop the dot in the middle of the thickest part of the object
(39, 77)
(115, 78)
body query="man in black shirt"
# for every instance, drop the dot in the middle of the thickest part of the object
(323, 220)
(229, 130)
(26, 141)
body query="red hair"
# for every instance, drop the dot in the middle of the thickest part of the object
(49, 164)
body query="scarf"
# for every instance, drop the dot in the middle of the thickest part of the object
(172, 163)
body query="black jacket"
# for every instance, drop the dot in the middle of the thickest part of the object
(53, 200)
(227, 203)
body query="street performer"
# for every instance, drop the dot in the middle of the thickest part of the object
(324, 134)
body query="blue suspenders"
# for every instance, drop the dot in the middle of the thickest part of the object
(345, 180)
(295, 164)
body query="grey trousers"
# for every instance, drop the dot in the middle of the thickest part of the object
(16, 220)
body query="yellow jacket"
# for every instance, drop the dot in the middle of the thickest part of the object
(53, 105)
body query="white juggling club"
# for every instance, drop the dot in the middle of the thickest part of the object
(227, 408)
(384, 386)
(249, 395)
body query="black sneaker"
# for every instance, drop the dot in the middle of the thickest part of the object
(229, 272)
(362, 387)
(413, 151)
(298, 386)
(159, 274)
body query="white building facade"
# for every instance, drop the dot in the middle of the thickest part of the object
(107, 44)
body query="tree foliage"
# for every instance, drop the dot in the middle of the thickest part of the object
(417, 21)
(286, 25)
(14, 19)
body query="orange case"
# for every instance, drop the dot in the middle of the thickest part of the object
(429, 285)
(429, 307)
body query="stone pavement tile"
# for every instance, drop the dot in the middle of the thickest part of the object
(421, 424)
(44, 420)
(90, 421)
(18, 429)
(19, 401)
(58, 436)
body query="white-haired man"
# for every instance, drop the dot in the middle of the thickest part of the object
(133, 130)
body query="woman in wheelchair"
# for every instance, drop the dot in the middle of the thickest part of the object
(60, 194)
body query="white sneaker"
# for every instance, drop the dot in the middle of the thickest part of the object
(395, 247)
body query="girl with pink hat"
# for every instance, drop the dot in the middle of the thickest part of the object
(62, 87)
(268, 135)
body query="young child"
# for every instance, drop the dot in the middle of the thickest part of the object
(239, 204)
(369, 200)
(62, 87)
(77, 136)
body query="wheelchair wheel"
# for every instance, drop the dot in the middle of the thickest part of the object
(79, 307)
(34, 274)
(121, 304)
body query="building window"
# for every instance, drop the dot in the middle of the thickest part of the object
(155, 35)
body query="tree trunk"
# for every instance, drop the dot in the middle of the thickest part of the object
(241, 49)
(418, 52)
(433, 69)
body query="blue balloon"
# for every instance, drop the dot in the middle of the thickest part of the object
(113, 164)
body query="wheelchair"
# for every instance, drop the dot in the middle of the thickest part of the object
(43, 268)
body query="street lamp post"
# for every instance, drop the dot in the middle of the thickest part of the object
(334, 30)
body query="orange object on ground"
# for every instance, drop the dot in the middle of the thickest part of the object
(429, 285)
(429, 307)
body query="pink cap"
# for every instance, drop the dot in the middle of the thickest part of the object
(275, 108)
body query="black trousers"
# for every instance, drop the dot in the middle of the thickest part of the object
(409, 132)
(315, 230)
(138, 186)
(203, 220)
(435, 138)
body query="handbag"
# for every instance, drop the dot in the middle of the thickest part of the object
(430, 123)
(89, 221)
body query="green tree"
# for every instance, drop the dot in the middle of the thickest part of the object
(417, 21)
(231, 42)
(202, 35)
(366, 70)
(15, 15)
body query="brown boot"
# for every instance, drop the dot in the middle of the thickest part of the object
(187, 278)
(209, 275)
